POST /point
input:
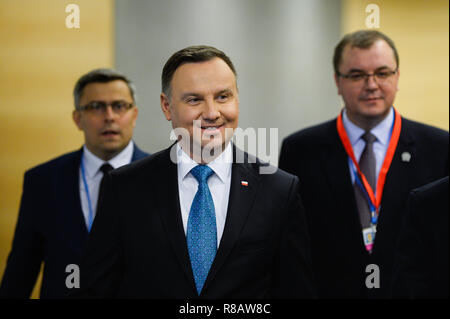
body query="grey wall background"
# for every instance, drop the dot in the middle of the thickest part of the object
(282, 51)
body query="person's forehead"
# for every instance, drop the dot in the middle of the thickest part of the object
(201, 74)
(106, 90)
(379, 54)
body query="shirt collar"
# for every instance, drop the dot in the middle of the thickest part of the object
(382, 131)
(220, 165)
(92, 163)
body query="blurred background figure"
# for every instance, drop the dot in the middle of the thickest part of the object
(357, 170)
(59, 197)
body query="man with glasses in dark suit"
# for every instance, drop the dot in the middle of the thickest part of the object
(356, 171)
(59, 199)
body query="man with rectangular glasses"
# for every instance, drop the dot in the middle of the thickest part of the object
(356, 171)
(59, 199)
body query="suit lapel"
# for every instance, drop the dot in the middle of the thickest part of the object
(240, 202)
(70, 202)
(239, 205)
(68, 196)
(397, 179)
(169, 209)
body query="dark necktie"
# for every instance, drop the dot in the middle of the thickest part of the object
(105, 168)
(367, 164)
(201, 234)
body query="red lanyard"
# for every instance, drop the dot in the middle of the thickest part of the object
(376, 200)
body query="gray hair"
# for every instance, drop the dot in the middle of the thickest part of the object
(100, 76)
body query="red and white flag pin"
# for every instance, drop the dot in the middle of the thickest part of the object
(244, 183)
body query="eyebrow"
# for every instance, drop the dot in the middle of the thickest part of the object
(377, 69)
(227, 91)
(189, 94)
(103, 101)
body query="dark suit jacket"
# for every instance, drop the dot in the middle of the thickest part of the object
(421, 265)
(317, 157)
(50, 228)
(137, 247)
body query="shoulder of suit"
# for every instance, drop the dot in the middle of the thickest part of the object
(139, 153)
(146, 161)
(421, 130)
(56, 163)
(266, 171)
(314, 134)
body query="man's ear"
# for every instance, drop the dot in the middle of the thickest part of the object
(76, 116)
(165, 106)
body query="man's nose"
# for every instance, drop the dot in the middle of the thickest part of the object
(109, 113)
(211, 110)
(371, 82)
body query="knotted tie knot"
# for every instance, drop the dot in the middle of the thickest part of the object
(105, 168)
(202, 173)
(369, 138)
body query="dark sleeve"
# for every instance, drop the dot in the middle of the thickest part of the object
(293, 276)
(101, 265)
(411, 276)
(24, 261)
(284, 162)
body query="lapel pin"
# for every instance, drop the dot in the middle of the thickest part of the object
(244, 183)
(406, 156)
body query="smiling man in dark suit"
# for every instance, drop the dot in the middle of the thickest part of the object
(356, 171)
(192, 221)
(60, 197)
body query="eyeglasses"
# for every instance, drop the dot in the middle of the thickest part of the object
(380, 76)
(99, 107)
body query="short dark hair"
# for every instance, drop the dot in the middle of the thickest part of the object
(100, 76)
(362, 39)
(192, 54)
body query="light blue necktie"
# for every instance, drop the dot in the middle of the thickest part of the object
(201, 228)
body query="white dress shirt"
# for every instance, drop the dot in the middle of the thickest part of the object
(94, 176)
(219, 186)
(382, 132)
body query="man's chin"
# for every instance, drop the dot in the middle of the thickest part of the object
(113, 147)
(374, 110)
